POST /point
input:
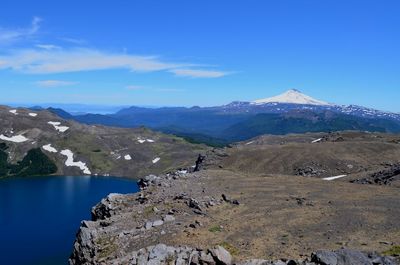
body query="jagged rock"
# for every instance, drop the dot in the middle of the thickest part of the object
(193, 203)
(158, 222)
(221, 255)
(148, 180)
(349, 257)
(383, 177)
(199, 162)
(169, 218)
(228, 200)
(159, 252)
(310, 170)
(148, 225)
(206, 259)
(325, 257)
(106, 207)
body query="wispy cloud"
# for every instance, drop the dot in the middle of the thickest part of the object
(8, 35)
(48, 46)
(199, 73)
(134, 88)
(49, 60)
(75, 60)
(74, 41)
(54, 83)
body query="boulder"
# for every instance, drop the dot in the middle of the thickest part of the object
(221, 255)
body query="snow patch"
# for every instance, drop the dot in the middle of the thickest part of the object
(250, 142)
(335, 177)
(127, 157)
(141, 141)
(32, 114)
(70, 162)
(15, 139)
(317, 140)
(49, 148)
(14, 111)
(56, 125)
(155, 160)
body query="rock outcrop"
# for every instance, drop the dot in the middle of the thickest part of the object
(383, 177)
(156, 225)
(163, 254)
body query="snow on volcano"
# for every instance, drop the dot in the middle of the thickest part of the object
(291, 96)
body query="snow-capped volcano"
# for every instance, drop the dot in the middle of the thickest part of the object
(291, 96)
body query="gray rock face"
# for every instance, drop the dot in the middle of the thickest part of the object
(221, 255)
(349, 257)
(163, 254)
(169, 218)
(158, 222)
(105, 208)
(383, 177)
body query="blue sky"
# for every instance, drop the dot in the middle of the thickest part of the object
(199, 52)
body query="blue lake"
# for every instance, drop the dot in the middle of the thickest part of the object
(39, 216)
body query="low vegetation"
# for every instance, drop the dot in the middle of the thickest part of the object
(393, 251)
(35, 163)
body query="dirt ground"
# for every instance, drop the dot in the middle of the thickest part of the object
(291, 216)
(279, 214)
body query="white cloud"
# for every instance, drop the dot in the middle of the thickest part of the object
(54, 83)
(51, 59)
(199, 73)
(48, 46)
(11, 35)
(74, 60)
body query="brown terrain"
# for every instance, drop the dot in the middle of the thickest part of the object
(105, 150)
(265, 198)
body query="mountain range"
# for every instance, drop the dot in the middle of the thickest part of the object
(290, 112)
(36, 142)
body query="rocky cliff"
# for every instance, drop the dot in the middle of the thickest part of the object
(222, 217)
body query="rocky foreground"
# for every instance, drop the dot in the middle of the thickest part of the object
(221, 217)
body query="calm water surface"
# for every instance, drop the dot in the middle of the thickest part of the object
(39, 216)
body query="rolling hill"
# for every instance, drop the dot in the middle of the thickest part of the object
(67, 147)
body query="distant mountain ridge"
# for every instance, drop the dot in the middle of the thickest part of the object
(226, 123)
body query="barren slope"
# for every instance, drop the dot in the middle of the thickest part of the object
(104, 150)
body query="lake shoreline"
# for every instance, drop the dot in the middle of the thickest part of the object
(47, 211)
